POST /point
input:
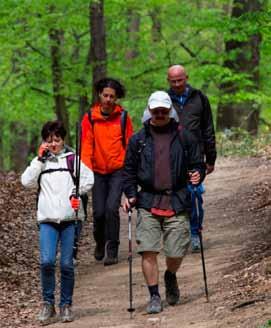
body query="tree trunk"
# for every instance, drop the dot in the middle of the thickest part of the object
(133, 20)
(82, 81)
(19, 147)
(156, 24)
(245, 114)
(56, 37)
(98, 44)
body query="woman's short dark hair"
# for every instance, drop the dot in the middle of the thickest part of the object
(53, 128)
(110, 83)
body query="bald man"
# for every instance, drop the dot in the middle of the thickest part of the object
(195, 115)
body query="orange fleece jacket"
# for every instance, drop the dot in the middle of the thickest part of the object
(101, 148)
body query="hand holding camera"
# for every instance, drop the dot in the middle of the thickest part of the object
(43, 152)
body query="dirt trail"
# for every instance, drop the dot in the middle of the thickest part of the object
(101, 293)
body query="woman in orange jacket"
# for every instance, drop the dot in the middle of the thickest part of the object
(106, 130)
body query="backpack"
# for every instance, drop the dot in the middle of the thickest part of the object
(123, 122)
(70, 168)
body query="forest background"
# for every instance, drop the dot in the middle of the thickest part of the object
(52, 52)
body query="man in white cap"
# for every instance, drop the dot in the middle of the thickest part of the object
(161, 160)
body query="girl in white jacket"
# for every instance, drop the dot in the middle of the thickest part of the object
(56, 214)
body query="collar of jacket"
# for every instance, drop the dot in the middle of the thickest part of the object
(96, 114)
(174, 96)
(66, 151)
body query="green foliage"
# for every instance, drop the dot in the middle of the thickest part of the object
(192, 33)
(268, 324)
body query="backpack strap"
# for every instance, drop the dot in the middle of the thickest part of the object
(140, 141)
(70, 165)
(45, 172)
(123, 123)
(183, 141)
(61, 169)
(90, 117)
(202, 99)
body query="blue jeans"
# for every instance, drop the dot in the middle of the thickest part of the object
(50, 235)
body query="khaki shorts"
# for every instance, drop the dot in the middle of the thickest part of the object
(175, 231)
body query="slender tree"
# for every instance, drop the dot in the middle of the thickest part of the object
(19, 147)
(98, 42)
(156, 24)
(244, 59)
(133, 20)
(57, 37)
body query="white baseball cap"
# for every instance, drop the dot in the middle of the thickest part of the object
(159, 99)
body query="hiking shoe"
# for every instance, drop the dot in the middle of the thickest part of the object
(172, 289)
(47, 314)
(111, 253)
(195, 244)
(155, 305)
(99, 252)
(66, 314)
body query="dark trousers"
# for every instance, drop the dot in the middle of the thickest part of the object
(106, 198)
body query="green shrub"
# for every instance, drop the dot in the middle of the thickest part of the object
(268, 324)
(238, 142)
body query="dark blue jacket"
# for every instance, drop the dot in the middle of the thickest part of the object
(138, 170)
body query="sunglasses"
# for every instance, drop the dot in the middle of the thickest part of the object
(163, 111)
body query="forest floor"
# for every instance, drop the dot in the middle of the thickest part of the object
(237, 242)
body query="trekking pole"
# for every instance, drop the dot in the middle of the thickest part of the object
(78, 159)
(77, 183)
(201, 245)
(130, 257)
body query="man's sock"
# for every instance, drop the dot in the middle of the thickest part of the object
(154, 290)
(170, 275)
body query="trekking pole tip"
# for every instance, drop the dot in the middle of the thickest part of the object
(131, 310)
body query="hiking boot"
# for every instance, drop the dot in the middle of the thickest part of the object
(47, 314)
(155, 305)
(99, 252)
(66, 314)
(172, 289)
(195, 244)
(111, 252)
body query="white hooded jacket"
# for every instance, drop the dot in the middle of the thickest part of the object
(56, 187)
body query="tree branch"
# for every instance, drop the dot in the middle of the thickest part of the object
(152, 69)
(49, 94)
(43, 92)
(28, 44)
(188, 50)
(6, 80)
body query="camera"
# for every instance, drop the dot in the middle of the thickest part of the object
(45, 155)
